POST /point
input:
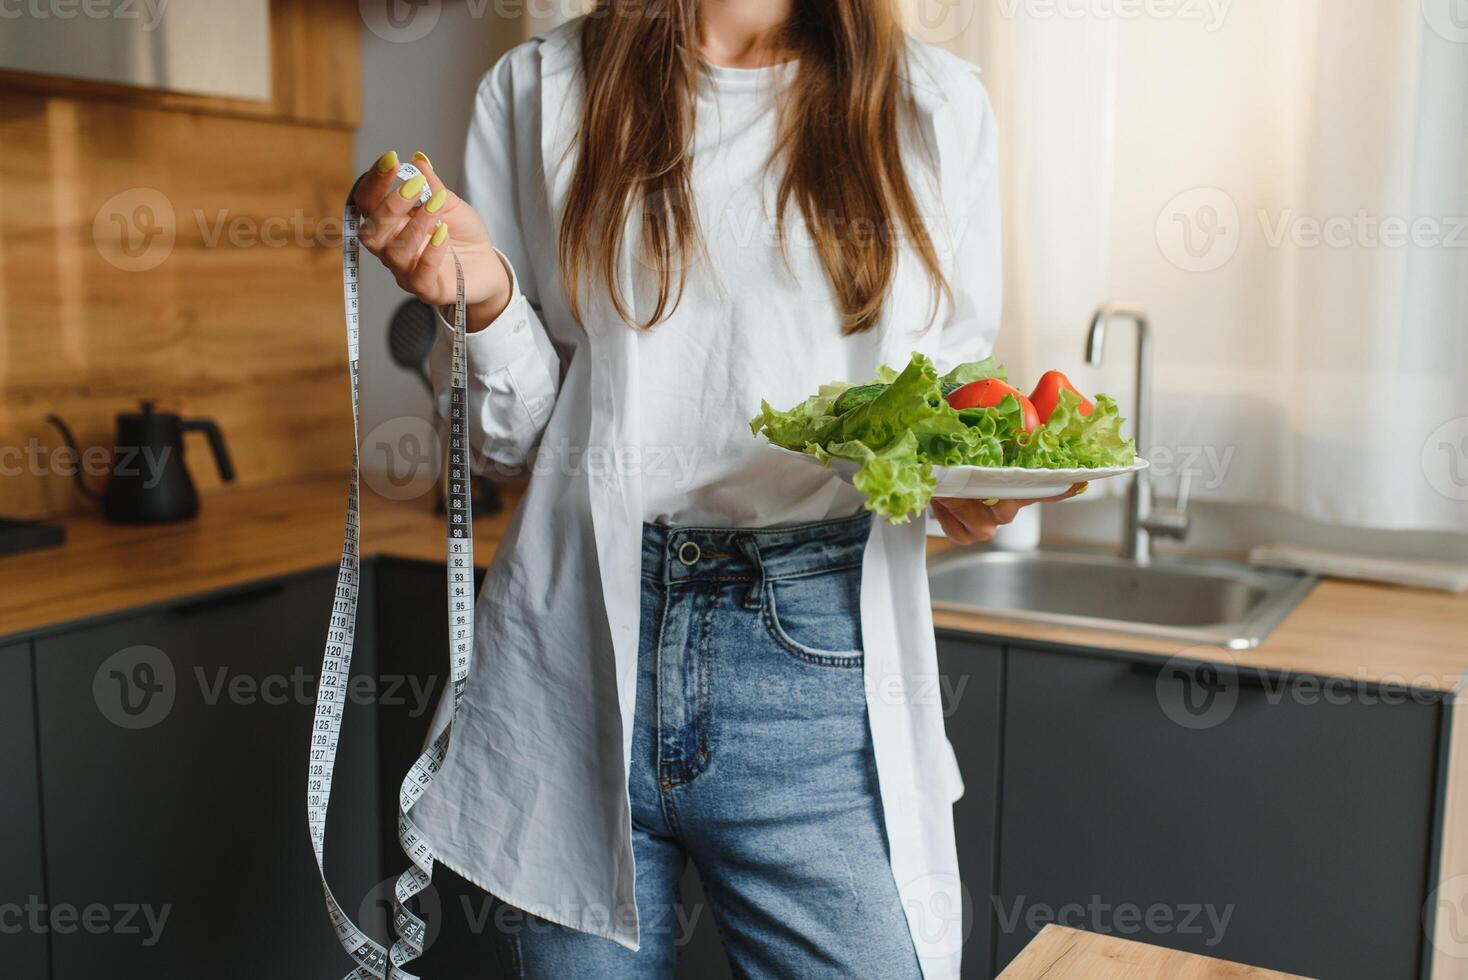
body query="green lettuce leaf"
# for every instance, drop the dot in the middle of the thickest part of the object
(900, 426)
(975, 371)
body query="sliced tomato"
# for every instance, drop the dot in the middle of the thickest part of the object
(988, 393)
(1047, 395)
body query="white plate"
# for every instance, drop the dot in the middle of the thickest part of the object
(992, 482)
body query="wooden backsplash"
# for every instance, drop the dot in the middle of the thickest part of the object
(238, 319)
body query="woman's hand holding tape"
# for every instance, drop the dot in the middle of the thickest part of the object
(414, 240)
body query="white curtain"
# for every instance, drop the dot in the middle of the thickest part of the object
(1283, 184)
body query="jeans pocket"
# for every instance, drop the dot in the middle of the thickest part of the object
(816, 619)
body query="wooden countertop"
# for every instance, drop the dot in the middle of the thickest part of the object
(239, 536)
(1359, 632)
(1058, 953)
(1371, 633)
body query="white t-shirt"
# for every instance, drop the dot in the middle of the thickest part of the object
(747, 328)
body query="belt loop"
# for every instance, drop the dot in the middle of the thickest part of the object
(754, 598)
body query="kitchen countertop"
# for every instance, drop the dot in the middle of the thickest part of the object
(240, 536)
(1407, 637)
(1058, 953)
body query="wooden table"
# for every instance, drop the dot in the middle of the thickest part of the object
(1058, 953)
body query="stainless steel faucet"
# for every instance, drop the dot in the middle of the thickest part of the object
(1140, 523)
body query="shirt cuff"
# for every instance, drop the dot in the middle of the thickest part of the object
(505, 340)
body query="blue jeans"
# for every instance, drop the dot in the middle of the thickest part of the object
(752, 757)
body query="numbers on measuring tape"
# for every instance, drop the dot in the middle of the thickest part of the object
(371, 958)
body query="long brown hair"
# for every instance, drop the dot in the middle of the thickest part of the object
(838, 138)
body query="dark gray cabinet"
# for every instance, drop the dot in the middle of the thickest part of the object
(173, 748)
(972, 676)
(413, 659)
(155, 773)
(1279, 827)
(24, 930)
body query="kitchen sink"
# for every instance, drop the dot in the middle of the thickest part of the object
(1204, 602)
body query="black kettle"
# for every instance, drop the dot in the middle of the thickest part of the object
(150, 483)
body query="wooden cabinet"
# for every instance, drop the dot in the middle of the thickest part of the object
(1278, 825)
(173, 752)
(22, 884)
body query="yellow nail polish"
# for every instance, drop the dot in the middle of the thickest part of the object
(412, 188)
(388, 162)
(1081, 489)
(439, 234)
(436, 201)
(989, 501)
(422, 158)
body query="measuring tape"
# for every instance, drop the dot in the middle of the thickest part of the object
(372, 959)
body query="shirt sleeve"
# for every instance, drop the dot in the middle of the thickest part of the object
(514, 369)
(976, 275)
(514, 378)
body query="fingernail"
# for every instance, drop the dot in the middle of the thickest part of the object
(412, 188)
(436, 201)
(388, 162)
(422, 158)
(1082, 489)
(989, 501)
(439, 234)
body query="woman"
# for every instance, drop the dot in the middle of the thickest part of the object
(689, 648)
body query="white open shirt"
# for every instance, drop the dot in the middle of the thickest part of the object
(532, 801)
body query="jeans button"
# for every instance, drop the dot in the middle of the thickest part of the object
(689, 552)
